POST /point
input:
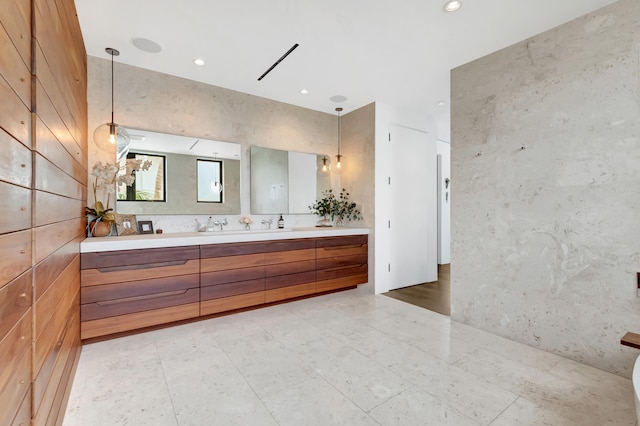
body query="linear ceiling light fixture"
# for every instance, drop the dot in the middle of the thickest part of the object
(110, 135)
(278, 61)
(339, 156)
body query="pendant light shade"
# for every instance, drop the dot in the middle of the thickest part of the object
(110, 136)
(339, 156)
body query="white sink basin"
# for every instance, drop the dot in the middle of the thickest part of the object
(244, 231)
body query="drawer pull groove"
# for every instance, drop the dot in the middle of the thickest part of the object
(142, 297)
(142, 266)
(343, 247)
(341, 268)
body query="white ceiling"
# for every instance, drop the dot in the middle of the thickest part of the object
(398, 52)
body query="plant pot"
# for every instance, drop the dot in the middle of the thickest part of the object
(100, 229)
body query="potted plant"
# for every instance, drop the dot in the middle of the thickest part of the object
(329, 208)
(107, 175)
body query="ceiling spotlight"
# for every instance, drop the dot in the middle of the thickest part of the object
(452, 5)
(199, 62)
(304, 91)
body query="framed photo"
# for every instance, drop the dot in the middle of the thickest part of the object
(126, 224)
(145, 227)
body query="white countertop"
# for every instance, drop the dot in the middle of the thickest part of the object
(177, 239)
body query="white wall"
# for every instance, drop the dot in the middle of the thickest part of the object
(444, 206)
(388, 251)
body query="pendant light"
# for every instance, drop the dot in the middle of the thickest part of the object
(110, 135)
(339, 157)
(325, 166)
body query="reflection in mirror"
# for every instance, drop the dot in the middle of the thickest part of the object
(285, 182)
(209, 181)
(149, 185)
(181, 174)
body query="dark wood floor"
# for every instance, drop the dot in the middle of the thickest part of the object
(434, 296)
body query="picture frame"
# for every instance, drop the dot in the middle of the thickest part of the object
(145, 227)
(126, 224)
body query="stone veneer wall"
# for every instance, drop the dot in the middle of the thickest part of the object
(546, 189)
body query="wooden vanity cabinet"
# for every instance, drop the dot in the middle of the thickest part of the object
(131, 289)
(290, 269)
(341, 262)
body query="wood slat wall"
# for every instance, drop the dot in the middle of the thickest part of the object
(43, 186)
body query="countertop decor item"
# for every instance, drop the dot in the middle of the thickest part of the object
(246, 221)
(106, 177)
(340, 209)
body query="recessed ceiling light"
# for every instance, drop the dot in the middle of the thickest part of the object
(338, 98)
(146, 45)
(304, 91)
(441, 103)
(452, 5)
(199, 62)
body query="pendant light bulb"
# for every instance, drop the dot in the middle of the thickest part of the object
(109, 135)
(324, 164)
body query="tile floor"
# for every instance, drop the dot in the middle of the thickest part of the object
(344, 359)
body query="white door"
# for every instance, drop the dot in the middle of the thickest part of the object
(413, 221)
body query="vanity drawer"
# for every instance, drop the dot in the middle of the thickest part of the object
(153, 295)
(290, 279)
(226, 304)
(214, 264)
(343, 271)
(231, 289)
(15, 300)
(127, 322)
(289, 292)
(341, 261)
(233, 249)
(118, 274)
(300, 244)
(289, 256)
(231, 276)
(143, 258)
(290, 268)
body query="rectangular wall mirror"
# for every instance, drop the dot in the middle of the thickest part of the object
(184, 187)
(285, 182)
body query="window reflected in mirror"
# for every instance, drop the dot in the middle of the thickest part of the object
(149, 185)
(210, 187)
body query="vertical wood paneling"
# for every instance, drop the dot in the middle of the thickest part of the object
(43, 178)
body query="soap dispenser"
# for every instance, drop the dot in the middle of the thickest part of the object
(281, 223)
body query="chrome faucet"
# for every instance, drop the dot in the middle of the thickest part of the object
(221, 223)
(267, 222)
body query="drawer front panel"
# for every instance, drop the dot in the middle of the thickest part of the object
(214, 264)
(231, 276)
(214, 306)
(138, 257)
(289, 280)
(111, 325)
(338, 283)
(290, 245)
(101, 293)
(91, 277)
(290, 268)
(289, 292)
(15, 300)
(341, 261)
(337, 251)
(232, 289)
(329, 274)
(232, 249)
(353, 240)
(130, 305)
(290, 256)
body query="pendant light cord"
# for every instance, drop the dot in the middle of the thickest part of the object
(112, 87)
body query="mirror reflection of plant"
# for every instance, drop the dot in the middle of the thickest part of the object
(340, 208)
(107, 176)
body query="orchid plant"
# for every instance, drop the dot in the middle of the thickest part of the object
(107, 176)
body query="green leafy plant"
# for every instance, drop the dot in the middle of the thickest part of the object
(340, 208)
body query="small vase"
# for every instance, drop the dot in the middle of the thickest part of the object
(100, 229)
(247, 226)
(324, 222)
(339, 221)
